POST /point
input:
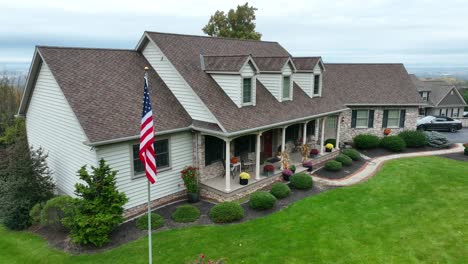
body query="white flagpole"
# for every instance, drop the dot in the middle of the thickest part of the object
(150, 245)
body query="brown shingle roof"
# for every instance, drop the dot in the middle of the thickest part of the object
(232, 63)
(270, 64)
(105, 90)
(305, 63)
(438, 88)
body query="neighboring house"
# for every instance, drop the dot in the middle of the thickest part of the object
(213, 98)
(439, 98)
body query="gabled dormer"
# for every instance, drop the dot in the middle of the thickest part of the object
(235, 74)
(276, 74)
(309, 75)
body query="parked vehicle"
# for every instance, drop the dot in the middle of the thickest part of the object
(440, 123)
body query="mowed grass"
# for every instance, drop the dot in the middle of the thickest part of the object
(413, 211)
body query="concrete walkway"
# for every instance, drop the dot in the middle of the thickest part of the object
(373, 165)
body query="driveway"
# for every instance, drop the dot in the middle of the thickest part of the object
(461, 136)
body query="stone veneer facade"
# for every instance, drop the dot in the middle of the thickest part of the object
(347, 133)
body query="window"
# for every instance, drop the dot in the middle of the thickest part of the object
(317, 84)
(332, 122)
(214, 150)
(393, 118)
(247, 90)
(422, 111)
(293, 133)
(455, 112)
(424, 96)
(443, 112)
(362, 118)
(161, 147)
(286, 87)
(311, 128)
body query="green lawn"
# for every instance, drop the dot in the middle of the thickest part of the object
(415, 210)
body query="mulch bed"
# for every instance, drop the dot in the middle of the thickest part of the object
(379, 152)
(127, 232)
(343, 173)
(456, 156)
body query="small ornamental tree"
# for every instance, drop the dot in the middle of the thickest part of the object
(100, 208)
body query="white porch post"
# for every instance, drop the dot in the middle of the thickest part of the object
(338, 125)
(257, 157)
(283, 143)
(228, 165)
(322, 135)
(316, 132)
(304, 134)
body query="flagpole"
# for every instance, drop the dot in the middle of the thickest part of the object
(150, 245)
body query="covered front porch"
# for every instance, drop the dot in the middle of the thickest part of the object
(251, 152)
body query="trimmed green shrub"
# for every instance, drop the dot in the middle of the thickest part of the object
(301, 181)
(436, 139)
(226, 212)
(465, 151)
(157, 221)
(331, 141)
(345, 160)
(366, 141)
(333, 165)
(352, 153)
(393, 143)
(55, 210)
(280, 190)
(413, 138)
(35, 213)
(261, 200)
(186, 213)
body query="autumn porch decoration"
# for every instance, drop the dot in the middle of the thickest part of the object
(190, 178)
(305, 149)
(244, 178)
(387, 131)
(329, 147)
(284, 160)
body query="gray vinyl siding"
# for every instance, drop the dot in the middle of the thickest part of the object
(52, 125)
(305, 82)
(231, 85)
(174, 81)
(451, 99)
(273, 83)
(119, 157)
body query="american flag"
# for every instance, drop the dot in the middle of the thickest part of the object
(147, 155)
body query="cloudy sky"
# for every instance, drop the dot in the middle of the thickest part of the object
(416, 32)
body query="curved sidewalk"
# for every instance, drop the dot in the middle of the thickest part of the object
(371, 166)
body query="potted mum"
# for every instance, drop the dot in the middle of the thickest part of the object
(314, 153)
(190, 178)
(286, 174)
(328, 147)
(268, 169)
(387, 131)
(293, 168)
(308, 165)
(244, 178)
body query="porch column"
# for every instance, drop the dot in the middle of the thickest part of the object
(257, 157)
(338, 132)
(304, 134)
(316, 132)
(283, 139)
(228, 165)
(322, 135)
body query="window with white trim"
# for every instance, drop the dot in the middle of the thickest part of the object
(287, 87)
(362, 118)
(455, 112)
(332, 121)
(161, 147)
(247, 91)
(393, 119)
(317, 84)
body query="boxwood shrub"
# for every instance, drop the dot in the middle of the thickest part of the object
(157, 221)
(301, 181)
(333, 165)
(352, 153)
(35, 213)
(261, 200)
(366, 141)
(186, 213)
(226, 212)
(55, 210)
(345, 160)
(393, 143)
(280, 190)
(413, 138)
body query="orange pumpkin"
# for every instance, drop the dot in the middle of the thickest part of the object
(234, 160)
(387, 131)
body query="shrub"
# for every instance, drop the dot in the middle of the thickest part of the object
(465, 151)
(345, 160)
(413, 138)
(330, 141)
(301, 181)
(436, 139)
(352, 153)
(185, 214)
(366, 141)
(333, 165)
(280, 190)
(226, 212)
(262, 200)
(100, 208)
(190, 177)
(55, 210)
(157, 221)
(393, 143)
(35, 213)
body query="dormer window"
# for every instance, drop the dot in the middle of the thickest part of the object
(247, 91)
(317, 84)
(286, 87)
(425, 96)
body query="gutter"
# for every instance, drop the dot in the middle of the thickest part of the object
(371, 104)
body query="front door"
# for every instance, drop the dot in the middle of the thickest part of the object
(268, 143)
